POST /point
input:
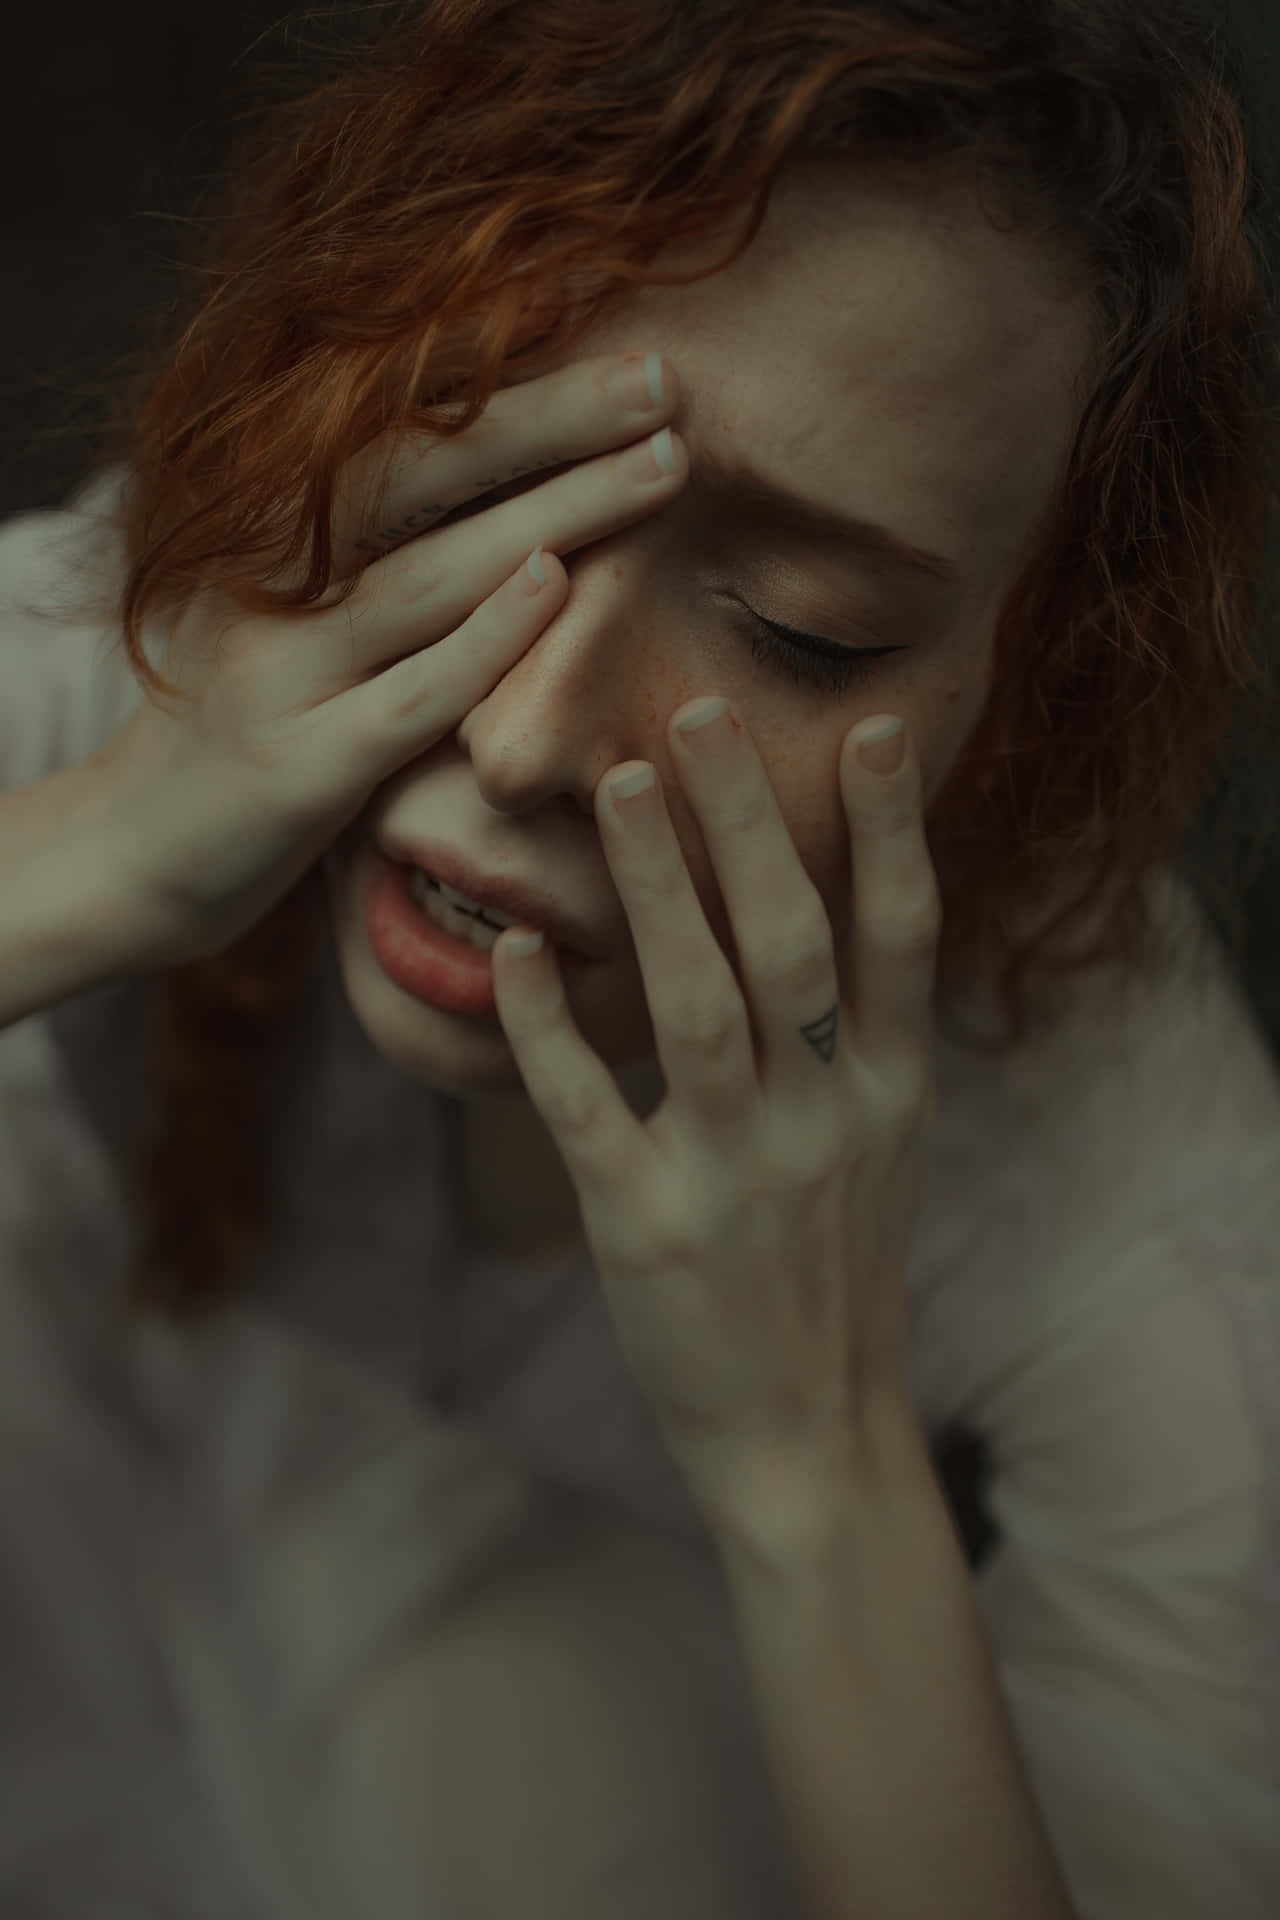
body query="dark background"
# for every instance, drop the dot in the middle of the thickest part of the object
(117, 118)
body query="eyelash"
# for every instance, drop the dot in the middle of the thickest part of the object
(807, 656)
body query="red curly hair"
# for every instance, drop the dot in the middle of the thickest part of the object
(473, 186)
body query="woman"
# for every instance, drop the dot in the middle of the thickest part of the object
(427, 1480)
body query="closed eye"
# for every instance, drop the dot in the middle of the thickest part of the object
(825, 664)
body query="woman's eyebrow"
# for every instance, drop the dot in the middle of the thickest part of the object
(713, 476)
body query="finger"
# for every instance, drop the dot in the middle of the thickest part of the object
(699, 1017)
(896, 920)
(405, 484)
(405, 710)
(598, 1136)
(780, 922)
(429, 587)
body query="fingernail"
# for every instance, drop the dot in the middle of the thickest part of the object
(699, 729)
(628, 786)
(638, 382)
(663, 451)
(882, 748)
(521, 945)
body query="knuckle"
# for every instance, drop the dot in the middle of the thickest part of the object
(708, 1025)
(889, 1090)
(573, 1109)
(911, 1097)
(796, 956)
(911, 924)
(366, 726)
(413, 704)
(744, 809)
(414, 582)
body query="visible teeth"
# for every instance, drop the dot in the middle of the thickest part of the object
(473, 906)
(463, 926)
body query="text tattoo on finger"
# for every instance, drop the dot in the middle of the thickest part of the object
(821, 1035)
(424, 517)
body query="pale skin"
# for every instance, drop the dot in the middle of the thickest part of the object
(931, 378)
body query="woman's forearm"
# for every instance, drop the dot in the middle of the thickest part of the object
(71, 918)
(901, 1789)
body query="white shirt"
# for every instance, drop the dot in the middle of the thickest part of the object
(321, 1610)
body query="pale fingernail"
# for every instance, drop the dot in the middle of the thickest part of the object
(882, 748)
(637, 382)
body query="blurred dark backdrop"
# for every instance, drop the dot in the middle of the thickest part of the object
(117, 118)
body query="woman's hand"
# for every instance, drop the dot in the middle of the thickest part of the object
(751, 1235)
(285, 725)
